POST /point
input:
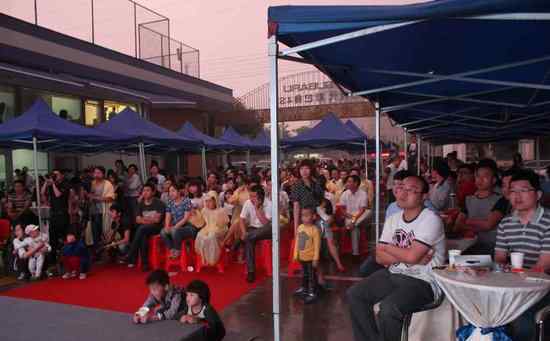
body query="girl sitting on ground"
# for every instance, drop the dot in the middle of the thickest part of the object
(200, 311)
(209, 238)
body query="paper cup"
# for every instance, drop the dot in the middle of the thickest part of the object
(142, 312)
(452, 254)
(517, 260)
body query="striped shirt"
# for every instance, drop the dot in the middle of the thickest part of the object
(532, 238)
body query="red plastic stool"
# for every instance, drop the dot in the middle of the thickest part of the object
(157, 252)
(345, 241)
(220, 266)
(185, 259)
(293, 265)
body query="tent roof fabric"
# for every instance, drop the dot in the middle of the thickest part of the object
(130, 123)
(188, 131)
(51, 131)
(330, 131)
(235, 140)
(261, 141)
(448, 70)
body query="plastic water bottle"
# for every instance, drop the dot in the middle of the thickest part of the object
(452, 200)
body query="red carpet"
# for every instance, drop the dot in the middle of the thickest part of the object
(117, 288)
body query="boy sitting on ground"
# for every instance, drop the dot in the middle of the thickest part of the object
(164, 301)
(199, 310)
(75, 258)
(38, 247)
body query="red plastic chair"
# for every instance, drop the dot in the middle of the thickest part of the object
(264, 256)
(186, 258)
(220, 266)
(4, 231)
(157, 253)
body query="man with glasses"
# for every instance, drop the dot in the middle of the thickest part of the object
(411, 244)
(526, 230)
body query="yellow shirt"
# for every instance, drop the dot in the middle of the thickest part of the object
(308, 243)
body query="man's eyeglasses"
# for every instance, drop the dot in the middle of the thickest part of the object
(521, 191)
(410, 190)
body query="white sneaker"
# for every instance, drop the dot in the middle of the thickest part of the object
(82, 276)
(66, 275)
(130, 265)
(21, 276)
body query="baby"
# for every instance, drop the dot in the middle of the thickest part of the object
(38, 247)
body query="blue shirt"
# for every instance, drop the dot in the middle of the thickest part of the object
(393, 208)
(177, 211)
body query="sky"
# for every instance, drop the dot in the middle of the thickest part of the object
(231, 35)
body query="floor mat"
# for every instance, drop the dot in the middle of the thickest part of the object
(118, 288)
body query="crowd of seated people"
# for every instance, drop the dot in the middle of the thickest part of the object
(497, 207)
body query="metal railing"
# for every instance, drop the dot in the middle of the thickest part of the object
(121, 25)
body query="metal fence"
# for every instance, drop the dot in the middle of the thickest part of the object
(121, 25)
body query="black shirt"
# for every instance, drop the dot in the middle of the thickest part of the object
(307, 196)
(156, 205)
(118, 230)
(59, 205)
(503, 205)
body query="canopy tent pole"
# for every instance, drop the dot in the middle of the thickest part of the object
(273, 50)
(143, 171)
(537, 151)
(178, 170)
(203, 162)
(377, 194)
(419, 154)
(366, 162)
(406, 147)
(37, 181)
(248, 168)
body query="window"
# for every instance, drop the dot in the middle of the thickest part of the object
(92, 114)
(69, 108)
(113, 108)
(7, 103)
(23, 158)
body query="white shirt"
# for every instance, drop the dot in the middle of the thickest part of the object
(354, 202)
(249, 213)
(161, 179)
(427, 229)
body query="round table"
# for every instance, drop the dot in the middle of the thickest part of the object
(490, 300)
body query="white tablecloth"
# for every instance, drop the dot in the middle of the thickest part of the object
(490, 300)
(437, 324)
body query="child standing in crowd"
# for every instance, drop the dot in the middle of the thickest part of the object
(306, 251)
(20, 248)
(164, 301)
(325, 213)
(38, 246)
(76, 258)
(226, 205)
(199, 310)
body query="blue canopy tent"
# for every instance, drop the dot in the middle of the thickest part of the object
(261, 141)
(448, 70)
(145, 135)
(238, 142)
(188, 131)
(40, 128)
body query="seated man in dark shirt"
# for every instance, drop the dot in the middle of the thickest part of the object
(149, 217)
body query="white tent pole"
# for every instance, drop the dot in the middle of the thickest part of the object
(377, 196)
(418, 154)
(142, 162)
(37, 182)
(406, 147)
(248, 166)
(273, 51)
(203, 161)
(366, 162)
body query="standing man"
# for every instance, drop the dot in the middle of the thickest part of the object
(355, 200)
(56, 188)
(255, 225)
(155, 173)
(133, 190)
(411, 244)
